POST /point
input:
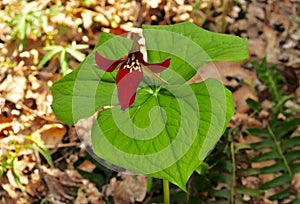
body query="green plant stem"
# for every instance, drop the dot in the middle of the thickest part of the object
(233, 163)
(279, 150)
(149, 184)
(166, 191)
(189, 191)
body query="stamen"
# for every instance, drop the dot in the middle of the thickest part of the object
(132, 64)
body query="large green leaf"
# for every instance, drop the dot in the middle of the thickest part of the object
(170, 128)
(190, 48)
(168, 131)
(82, 92)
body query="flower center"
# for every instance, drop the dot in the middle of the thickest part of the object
(132, 63)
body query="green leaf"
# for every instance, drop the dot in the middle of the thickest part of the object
(86, 2)
(223, 193)
(295, 201)
(190, 48)
(224, 165)
(240, 146)
(223, 178)
(16, 174)
(279, 180)
(162, 133)
(23, 31)
(39, 146)
(50, 54)
(278, 166)
(249, 191)
(291, 142)
(295, 167)
(266, 143)
(254, 105)
(292, 155)
(82, 92)
(270, 77)
(78, 55)
(80, 46)
(14, 32)
(266, 156)
(1, 171)
(258, 132)
(64, 62)
(286, 127)
(249, 172)
(202, 168)
(281, 195)
(46, 154)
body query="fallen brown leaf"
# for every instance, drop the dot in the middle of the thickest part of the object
(296, 183)
(272, 49)
(87, 166)
(52, 134)
(89, 194)
(257, 47)
(244, 121)
(59, 182)
(14, 86)
(240, 96)
(224, 71)
(130, 189)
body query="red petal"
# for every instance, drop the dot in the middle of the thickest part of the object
(107, 65)
(159, 67)
(127, 84)
(155, 67)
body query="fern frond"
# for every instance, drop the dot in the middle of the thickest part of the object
(283, 150)
(224, 185)
(271, 78)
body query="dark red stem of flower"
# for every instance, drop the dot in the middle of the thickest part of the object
(135, 46)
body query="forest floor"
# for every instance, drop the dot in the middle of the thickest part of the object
(273, 31)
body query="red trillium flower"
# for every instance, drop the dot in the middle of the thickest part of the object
(130, 73)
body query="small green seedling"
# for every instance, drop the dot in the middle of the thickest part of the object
(9, 156)
(61, 51)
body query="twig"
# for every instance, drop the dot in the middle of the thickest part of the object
(63, 145)
(38, 166)
(35, 114)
